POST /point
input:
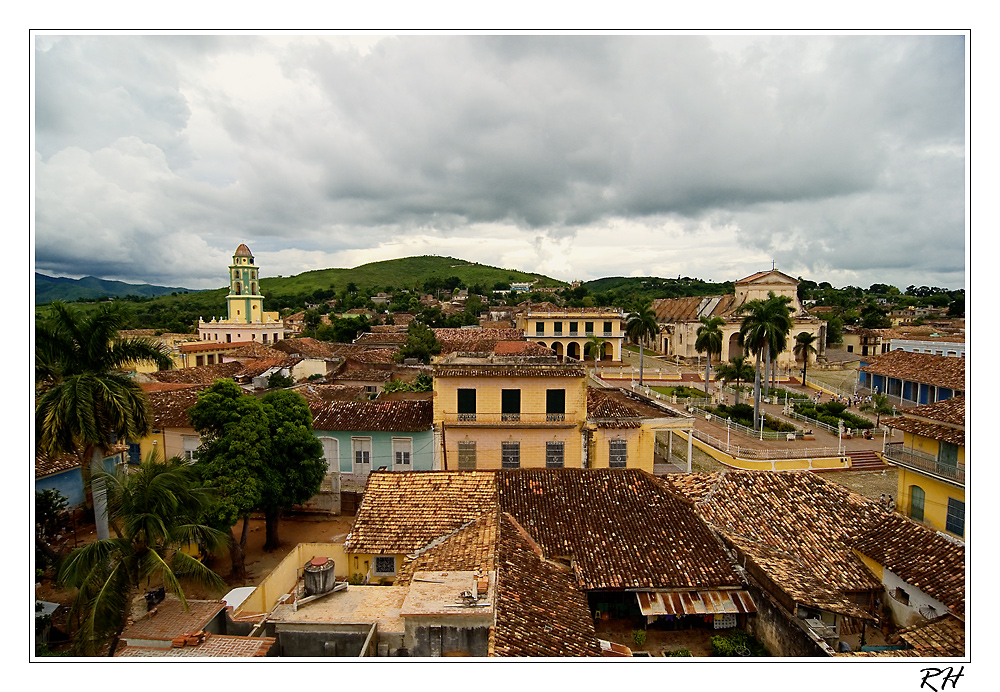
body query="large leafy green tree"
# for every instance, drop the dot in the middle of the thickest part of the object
(736, 370)
(764, 328)
(261, 454)
(709, 340)
(85, 399)
(234, 434)
(420, 343)
(155, 511)
(294, 466)
(641, 325)
(803, 349)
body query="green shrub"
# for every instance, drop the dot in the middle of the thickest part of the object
(737, 644)
(639, 637)
(677, 652)
(356, 579)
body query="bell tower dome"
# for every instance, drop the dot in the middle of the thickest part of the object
(245, 302)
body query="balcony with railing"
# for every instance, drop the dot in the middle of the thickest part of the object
(896, 453)
(520, 420)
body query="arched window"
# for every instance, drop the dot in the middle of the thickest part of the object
(238, 288)
(916, 503)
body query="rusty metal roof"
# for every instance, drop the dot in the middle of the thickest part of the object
(695, 602)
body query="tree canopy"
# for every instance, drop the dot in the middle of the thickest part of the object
(260, 454)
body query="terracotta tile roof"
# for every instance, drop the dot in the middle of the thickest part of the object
(380, 339)
(455, 365)
(768, 272)
(199, 346)
(793, 574)
(795, 522)
(469, 548)
(549, 307)
(171, 620)
(933, 431)
(919, 556)
(46, 466)
(540, 609)
(926, 368)
(353, 371)
(403, 512)
(388, 329)
(214, 646)
(318, 393)
(309, 347)
(525, 348)
(943, 636)
(164, 386)
(170, 407)
(687, 309)
(614, 408)
(253, 349)
(951, 411)
(205, 374)
(475, 340)
(390, 416)
(377, 355)
(257, 368)
(621, 527)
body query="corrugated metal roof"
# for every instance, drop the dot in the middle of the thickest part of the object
(695, 602)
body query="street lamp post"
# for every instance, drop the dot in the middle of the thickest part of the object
(761, 427)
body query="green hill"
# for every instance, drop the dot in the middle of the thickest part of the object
(180, 312)
(50, 288)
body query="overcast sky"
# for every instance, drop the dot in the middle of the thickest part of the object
(841, 159)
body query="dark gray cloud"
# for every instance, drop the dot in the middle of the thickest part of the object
(841, 158)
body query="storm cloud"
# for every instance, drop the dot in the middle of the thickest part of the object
(839, 158)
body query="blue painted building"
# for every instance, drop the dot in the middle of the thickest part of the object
(916, 378)
(363, 436)
(62, 474)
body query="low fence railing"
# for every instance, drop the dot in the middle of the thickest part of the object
(752, 454)
(897, 453)
(739, 428)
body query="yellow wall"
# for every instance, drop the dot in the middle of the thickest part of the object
(169, 443)
(283, 577)
(640, 444)
(936, 494)
(488, 408)
(872, 565)
(532, 445)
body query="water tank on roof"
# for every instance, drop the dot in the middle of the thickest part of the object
(319, 576)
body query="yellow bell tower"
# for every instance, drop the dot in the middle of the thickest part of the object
(245, 303)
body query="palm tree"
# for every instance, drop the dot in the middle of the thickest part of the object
(804, 348)
(879, 405)
(736, 370)
(155, 510)
(641, 324)
(85, 401)
(595, 345)
(709, 341)
(764, 329)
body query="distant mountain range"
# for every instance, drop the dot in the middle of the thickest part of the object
(50, 288)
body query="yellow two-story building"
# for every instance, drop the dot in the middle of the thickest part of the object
(568, 331)
(931, 461)
(517, 407)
